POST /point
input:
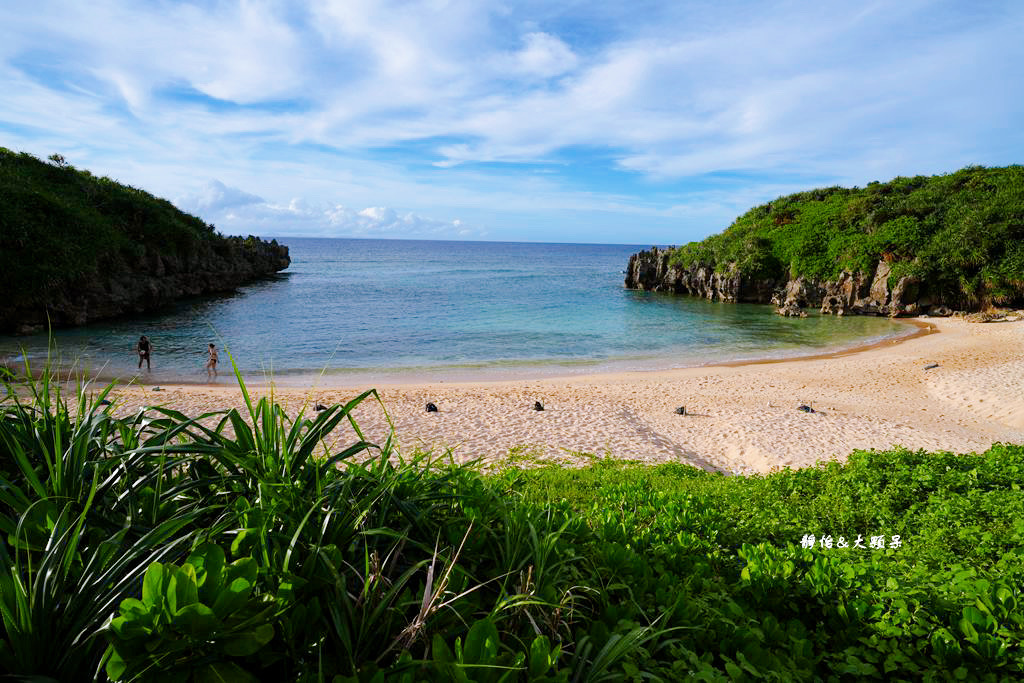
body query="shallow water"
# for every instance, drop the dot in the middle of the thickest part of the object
(392, 311)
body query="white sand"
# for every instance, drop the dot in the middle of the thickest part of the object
(741, 418)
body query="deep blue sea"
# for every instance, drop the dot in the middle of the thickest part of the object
(392, 311)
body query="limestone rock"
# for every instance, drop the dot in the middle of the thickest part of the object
(833, 305)
(652, 271)
(145, 283)
(851, 293)
(880, 284)
(791, 310)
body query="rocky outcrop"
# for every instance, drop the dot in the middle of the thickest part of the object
(995, 317)
(130, 284)
(790, 309)
(854, 294)
(849, 294)
(651, 271)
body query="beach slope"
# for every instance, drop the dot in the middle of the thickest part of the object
(959, 387)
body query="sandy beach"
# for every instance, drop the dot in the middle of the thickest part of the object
(740, 419)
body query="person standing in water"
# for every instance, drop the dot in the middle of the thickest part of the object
(211, 362)
(144, 348)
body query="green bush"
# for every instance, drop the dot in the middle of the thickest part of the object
(234, 547)
(59, 225)
(962, 233)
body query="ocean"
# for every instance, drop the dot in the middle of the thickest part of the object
(385, 311)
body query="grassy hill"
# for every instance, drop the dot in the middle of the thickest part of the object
(962, 234)
(72, 243)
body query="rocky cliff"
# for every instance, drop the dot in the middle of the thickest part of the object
(146, 282)
(851, 293)
(75, 248)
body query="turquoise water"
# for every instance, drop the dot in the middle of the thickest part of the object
(392, 311)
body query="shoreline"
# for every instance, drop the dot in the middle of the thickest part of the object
(459, 375)
(741, 418)
(923, 328)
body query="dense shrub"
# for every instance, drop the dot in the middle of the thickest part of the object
(232, 547)
(59, 224)
(962, 232)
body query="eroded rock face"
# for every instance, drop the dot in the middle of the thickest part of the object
(833, 305)
(651, 271)
(850, 294)
(880, 284)
(147, 283)
(790, 309)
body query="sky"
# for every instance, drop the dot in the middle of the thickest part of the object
(603, 122)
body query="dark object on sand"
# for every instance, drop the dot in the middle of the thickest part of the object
(104, 402)
(807, 409)
(157, 389)
(319, 406)
(933, 365)
(431, 408)
(681, 410)
(538, 405)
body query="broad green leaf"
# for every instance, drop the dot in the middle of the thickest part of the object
(208, 560)
(133, 608)
(540, 656)
(242, 540)
(244, 567)
(747, 666)
(197, 620)
(481, 643)
(967, 628)
(153, 586)
(116, 666)
(127, 629)
(249, 642)
(181, 589)
(232, 598)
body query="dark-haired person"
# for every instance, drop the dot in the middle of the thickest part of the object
(211, 362)
(144, 348)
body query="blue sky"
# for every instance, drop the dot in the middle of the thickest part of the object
(618, 122)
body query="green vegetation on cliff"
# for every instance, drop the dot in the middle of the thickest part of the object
(58, 223)
(76, 248)
(963, 233)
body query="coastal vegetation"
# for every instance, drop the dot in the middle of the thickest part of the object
(233, 547)
(961, 233)
(74, 247)
(60, 223)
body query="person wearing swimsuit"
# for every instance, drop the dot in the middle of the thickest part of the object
(211, 363)
(144, 348)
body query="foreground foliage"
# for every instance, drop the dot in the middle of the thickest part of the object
(230, 547)
(961, 233)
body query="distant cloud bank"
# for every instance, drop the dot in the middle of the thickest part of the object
(235, 211)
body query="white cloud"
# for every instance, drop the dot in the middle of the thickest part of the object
(216, 197)
(291, 100)
(235, 211)
(545, 55)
